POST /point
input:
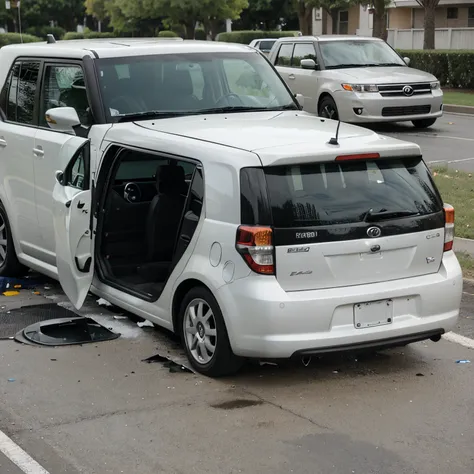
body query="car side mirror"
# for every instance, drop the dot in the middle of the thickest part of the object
(59, 177)
(407, 61)
(63, 119)
(300, 99)
(308, 64)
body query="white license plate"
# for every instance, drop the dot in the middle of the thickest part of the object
(375, 313)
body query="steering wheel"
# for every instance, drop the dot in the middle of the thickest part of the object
(228, 97)
(125, 102)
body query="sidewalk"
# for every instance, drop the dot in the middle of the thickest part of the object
(464, 245)
(458, 109)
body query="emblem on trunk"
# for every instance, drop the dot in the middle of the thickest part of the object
(298, 249)
(374, 232)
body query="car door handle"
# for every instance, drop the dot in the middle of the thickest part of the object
(3, 142)
(291, 76)
(39, 152)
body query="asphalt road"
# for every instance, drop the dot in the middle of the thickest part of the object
(98, 409)
(450, 140)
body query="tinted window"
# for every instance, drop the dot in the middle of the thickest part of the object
(189, 83)
(64, 86)
(303, 51)
(77, 175)
(22, 93)
(266, 45)
(343, 193)
(284, 55)
(8, 98)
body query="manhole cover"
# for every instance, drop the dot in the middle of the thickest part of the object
(15, 320)
(66, 331)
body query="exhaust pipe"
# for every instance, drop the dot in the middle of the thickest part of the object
(306, 360)
(436, 338)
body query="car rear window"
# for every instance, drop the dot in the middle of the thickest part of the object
(321, 194)
(266, 45)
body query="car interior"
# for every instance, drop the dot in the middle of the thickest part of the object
(143, 212)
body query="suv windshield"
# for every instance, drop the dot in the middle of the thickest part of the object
(185, 84)
(350, 192)
(358, 53)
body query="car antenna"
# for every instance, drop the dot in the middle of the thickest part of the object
(50, 39)
(334, 140)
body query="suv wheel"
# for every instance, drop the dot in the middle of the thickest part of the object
(205, 335)
(424, 123)
(328, 108)
(9, 264)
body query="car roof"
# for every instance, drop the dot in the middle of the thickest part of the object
(120, 47)
(323, 38)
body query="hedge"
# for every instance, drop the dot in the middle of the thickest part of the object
(88, 35)
(16, 38)
(167, 34)
(246, 37)
(453, 68)
(44, 31)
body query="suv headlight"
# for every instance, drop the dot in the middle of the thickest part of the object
(360, 87)
(435, 86)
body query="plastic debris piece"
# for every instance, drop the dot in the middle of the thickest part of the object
(463, 361)
(11, 380)
(420, 375)
(11, 293)
(142, 324)
(102, 302)
(168, 363)
(118, 316)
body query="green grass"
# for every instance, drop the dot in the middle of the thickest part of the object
(467, 264)
(457, 189)
(459, 98)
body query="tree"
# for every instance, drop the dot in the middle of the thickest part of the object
(215, 11)
(380, 18)
(429, 22)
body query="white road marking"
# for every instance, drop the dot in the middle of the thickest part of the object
(458, 339)
(452, 161)
(19, 457)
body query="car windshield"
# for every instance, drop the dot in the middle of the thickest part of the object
(186, 84)
(358, 53)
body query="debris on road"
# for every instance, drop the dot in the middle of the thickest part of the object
(168, 363)
(11, 380)
(142, 324)
(463, 361)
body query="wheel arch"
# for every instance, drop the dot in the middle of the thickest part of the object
(322, 96)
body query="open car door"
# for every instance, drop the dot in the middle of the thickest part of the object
(72, 209)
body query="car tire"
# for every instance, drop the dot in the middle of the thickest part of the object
(423, 123)
(9, 264)
(204, 335)
(328, 109)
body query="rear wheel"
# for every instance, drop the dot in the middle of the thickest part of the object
(205, 335)
(424, 123)
(9, 264)
(328, 109)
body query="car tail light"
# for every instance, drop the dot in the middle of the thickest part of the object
(361, 156)
(448, 227)
(255, 244)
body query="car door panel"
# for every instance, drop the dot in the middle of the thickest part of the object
(72, 228)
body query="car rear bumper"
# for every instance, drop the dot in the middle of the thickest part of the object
(264, 321)
(375, 108)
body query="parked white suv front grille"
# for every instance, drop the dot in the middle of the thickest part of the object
(404, 90)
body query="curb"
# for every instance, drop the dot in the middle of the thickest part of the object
(464, 245)
(458, 109)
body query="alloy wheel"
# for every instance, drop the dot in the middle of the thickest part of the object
(328, 112)
(200, 331)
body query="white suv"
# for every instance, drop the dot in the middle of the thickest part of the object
(357, 79)
(180, 181)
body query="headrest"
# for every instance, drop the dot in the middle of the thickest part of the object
(178, 82)
(170, 179)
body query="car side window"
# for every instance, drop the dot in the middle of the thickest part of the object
(18, 96)
(64, 86)
(284, 55)
(303, 51)
(77, 172)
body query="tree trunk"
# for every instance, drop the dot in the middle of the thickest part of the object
(305, 17)
(380, 20)
(334, 19)
(324, 19)
(189, 29)
(430, 27)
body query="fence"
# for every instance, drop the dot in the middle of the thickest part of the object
(445, 38)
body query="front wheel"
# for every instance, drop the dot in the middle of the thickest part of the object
(328, 109)
(423, 123)
(9, 264)
(205, 335)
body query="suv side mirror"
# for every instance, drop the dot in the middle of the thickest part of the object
(308, 64)
(407, 61)
(63, 119)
